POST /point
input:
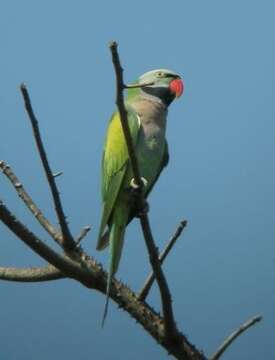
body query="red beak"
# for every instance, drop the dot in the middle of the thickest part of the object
(177, 87)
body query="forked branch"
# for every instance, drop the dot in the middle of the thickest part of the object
(90, 274)
(169, 322)
(76, 264)
(150, 280)
(28, 201)
(66, 265)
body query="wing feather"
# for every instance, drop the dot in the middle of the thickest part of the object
(114, 164)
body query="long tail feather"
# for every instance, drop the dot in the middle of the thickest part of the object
(105, 312)
(116, 240)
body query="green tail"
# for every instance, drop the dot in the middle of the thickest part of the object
(116, 240)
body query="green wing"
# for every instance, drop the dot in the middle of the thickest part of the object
(114, 164)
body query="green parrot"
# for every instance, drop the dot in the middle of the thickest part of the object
(146, 112)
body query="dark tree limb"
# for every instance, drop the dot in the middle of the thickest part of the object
(169, 321)
(150, 279)
(65, 264)
(67, 239)
(92, 276)
(170, 325)
(28, 201)
(34, 274)
(228, 341)
(77, 265)
(123, 113)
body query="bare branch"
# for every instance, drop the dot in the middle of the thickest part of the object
(152, 323)
(170, 326)
(135, 86)
(66, 265)
(123, 113)
(68, 241)
(82, 234)
(76, 264)
(59, 173)
(55, 234)
(150, 279)
(38, 274)
(92, 276)
(228, 341)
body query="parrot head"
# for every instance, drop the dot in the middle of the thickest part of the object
(163, 84)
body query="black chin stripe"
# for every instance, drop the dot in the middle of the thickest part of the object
(163, 93)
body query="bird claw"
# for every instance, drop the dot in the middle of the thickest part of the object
(135, 186)
(141, 206)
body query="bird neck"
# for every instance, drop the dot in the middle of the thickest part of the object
(137, 95)
(160, 93)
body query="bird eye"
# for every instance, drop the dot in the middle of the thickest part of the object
(160, 74)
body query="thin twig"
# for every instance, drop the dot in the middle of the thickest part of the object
(68, 241)
(150, 279)
(82, 234)
(44, 222)
(37, 274)
(141, 85)
(123, 113)
(57, 174)
(169, 322)
(228, 341)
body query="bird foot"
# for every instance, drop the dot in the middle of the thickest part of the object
(135, 186)
(140, 205)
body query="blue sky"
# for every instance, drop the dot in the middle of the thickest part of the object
(220, 177)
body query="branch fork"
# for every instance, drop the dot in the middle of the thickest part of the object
(169, 322)
(76, 264)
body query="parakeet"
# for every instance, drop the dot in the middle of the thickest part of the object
(146, 112)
